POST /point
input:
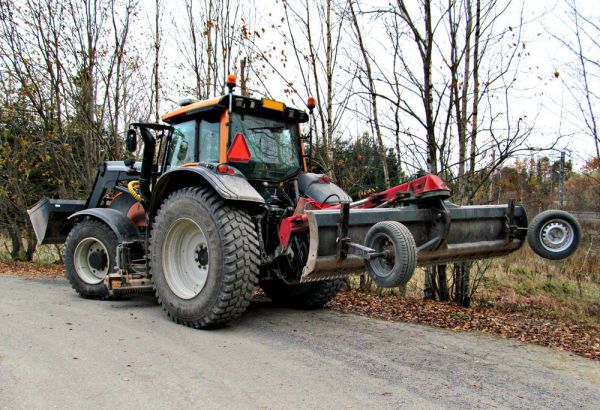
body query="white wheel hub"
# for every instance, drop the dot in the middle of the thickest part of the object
(91, 260)
(185, 258)
(556, 235)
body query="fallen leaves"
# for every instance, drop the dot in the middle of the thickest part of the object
(31, 270)
(579, 338)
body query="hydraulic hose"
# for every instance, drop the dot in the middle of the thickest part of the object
(131, 187)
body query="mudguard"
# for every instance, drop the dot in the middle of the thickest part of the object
(122, 226)
(232, 187)
(320, 188)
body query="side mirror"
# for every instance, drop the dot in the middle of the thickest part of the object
(131, 140)
(183, 149)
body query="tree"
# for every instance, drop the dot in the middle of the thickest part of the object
(157, 42)
(583, 190)
(372, 91)
(117, 65)
(358, 166)
(481, 62)
(311, 34)
(65, 74)
(582, 43)
(218, 34)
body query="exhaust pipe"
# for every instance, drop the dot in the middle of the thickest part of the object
(147, 162)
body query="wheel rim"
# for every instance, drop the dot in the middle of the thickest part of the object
(557, 235)
(92, 262)
(383, 266)
(185, 258)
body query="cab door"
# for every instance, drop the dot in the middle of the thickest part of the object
(184, 147)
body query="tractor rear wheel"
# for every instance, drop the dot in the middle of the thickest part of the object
(312, 295)
(89, 256)
(204, 258)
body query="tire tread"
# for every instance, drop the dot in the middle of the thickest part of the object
(313, 295)
(407, 246)
(240, 258)
(537, 223)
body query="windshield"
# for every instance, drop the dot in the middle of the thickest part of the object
(274, 147)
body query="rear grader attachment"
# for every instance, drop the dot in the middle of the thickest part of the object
(421, 225)
(222, 201)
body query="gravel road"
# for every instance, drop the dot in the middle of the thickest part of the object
(57, 350)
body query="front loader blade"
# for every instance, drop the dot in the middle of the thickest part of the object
(50, 219)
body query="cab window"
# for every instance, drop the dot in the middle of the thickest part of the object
(209, 141)
(183, 145)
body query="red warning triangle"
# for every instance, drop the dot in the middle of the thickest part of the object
(238, 150)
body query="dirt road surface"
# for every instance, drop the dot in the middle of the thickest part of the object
(57, 350)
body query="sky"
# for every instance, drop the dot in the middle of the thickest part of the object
(541, 97)
(558, 113)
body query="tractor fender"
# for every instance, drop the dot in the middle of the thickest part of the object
(120, 224)
(231, 187)
(320, 188)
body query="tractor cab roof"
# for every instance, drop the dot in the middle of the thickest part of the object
(260, 107)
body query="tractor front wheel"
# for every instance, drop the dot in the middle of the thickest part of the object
(204, 258)
(89, 255)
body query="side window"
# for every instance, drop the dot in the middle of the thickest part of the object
(183, 145)
(209, 141)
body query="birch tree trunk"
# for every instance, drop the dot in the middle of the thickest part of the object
(372, 95)
(157, 43)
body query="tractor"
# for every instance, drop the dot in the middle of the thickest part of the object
(222, 201)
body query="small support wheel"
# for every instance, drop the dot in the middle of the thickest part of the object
(554, 234)
(399, 254)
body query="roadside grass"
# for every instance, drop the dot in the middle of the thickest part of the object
(525, 283)
(567, 289)
(518, 290)
(46, 263)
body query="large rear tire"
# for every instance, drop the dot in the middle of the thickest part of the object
(554, 234)
(313, 295)
(204, 258)
(89, 255)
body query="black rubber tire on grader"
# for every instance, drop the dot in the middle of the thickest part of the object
(204, 257)
(399, 266)
(90, 254)
(312, 295)
(554, 234)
